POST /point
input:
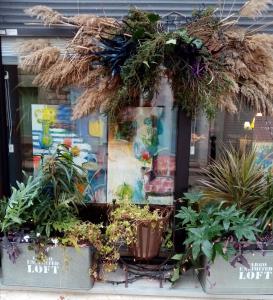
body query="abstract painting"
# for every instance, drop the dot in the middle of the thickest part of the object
(141, 155)
(52, 125)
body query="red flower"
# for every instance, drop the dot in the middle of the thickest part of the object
(145, 155)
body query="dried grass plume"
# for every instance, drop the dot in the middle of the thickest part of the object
(32, 46)
(255, 8)
(40, 60)
(45, 14)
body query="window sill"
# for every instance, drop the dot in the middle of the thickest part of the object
(188, 287)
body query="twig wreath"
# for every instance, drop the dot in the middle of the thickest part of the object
(210, 62)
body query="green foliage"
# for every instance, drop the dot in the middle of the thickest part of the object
(147, 53)
(141, 73)
(214, 230)
(140, 24)
(18, 205)
(122, 229)
(236, 178)
(48, 202)
(83, 233)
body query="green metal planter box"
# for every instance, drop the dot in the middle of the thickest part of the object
(226, 279)
(65, 268)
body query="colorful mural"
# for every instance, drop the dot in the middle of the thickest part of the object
(52, 125)
(142, 155)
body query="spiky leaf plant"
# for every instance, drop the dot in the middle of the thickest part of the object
(263, 208)
(235, 177)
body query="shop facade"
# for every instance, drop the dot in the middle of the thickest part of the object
(153, 153)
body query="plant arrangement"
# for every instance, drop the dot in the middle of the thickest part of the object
(215, 230)
(230, 220)
(46, 207)
(210, 62)
(238, 178)
(137, 227)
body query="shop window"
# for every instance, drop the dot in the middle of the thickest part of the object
(135, 154)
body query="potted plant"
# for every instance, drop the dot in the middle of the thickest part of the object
(228, 226)
(135, 226)
(44, 243)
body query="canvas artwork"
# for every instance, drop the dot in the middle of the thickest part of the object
(52, 125)
(141, 155)
(265, 154)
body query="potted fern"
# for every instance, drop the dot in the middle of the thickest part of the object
(45, 244)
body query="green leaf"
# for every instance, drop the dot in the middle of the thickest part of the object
(175, 275)
(217, 249)
(187, 214)
(153, 17)
(193, 197)
(177, 256)
(195, 250)
(139, 33)
(207, 249)
(226, 224)
(171, 41)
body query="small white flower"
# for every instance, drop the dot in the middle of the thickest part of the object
(55, 241)
(26, 238)
(38, 234)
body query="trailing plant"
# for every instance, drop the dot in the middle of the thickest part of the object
(210, 61)
(214, 230)
(235, 177)
(124, 220)
(81, 234)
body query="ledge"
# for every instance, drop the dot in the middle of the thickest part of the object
(188, 287)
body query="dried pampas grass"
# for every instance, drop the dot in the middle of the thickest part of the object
(239, 64)
(227, 103)
(255, 8)
(256, 99)
(93, 77)
(32, 46)
(250, 65)
(94, 98)
(44, 13)
(63, 73)
(40, 60)
(93, 22)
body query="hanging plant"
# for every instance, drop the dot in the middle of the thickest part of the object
(210, 62)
